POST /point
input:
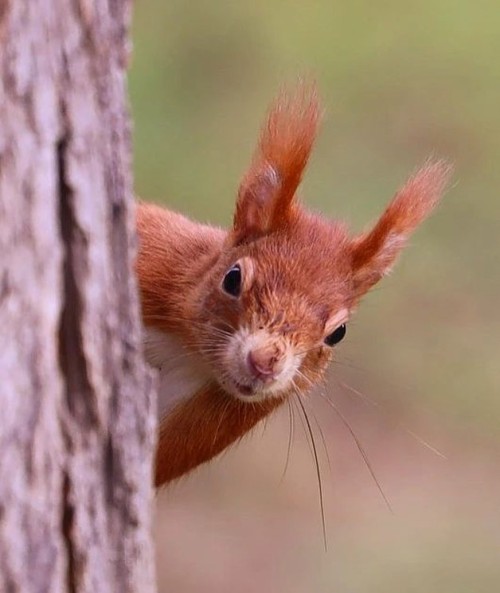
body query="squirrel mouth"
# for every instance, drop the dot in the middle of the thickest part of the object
(250, 389)
(245, 389)
(255, 388)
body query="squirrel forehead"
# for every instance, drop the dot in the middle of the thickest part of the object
(313, 263)
(319, 252)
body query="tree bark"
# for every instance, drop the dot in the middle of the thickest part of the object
(77, 416)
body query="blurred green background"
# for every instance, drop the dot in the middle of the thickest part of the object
(400, 82)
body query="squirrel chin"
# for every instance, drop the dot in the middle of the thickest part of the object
(253, 392)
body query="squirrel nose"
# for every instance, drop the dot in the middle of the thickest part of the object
(264, 363)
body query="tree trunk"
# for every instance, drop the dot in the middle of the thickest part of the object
(77, 406)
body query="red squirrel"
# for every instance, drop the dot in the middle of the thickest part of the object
(238, 320)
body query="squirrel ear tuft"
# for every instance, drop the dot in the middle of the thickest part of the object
(375, 251)
(267, 191)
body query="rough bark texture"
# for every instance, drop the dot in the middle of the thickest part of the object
(77, 406)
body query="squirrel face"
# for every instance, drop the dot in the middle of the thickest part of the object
(275, 309)
(279, 296)
(287, 280)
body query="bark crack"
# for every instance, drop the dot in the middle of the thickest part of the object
(72, 359)
(78, 415)
(68, 513)
(70, 356)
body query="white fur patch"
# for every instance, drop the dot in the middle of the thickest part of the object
(181, 373)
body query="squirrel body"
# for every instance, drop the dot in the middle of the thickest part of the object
(239, 320)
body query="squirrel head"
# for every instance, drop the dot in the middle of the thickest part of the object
(279, 296)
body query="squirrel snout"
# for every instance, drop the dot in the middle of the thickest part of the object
(265, 363)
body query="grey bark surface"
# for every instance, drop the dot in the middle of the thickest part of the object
(77, 419)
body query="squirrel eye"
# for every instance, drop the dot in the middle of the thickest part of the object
(232, 281)
(336, 336)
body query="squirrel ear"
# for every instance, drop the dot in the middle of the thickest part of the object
(266, 193)
(375, 251)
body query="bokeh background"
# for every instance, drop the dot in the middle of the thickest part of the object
(400, 81)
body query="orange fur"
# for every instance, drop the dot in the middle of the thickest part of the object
(302, 276)
(375, 251)
(267, 191)
(201, 428)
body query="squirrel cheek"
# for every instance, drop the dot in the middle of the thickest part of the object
(316, 363)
